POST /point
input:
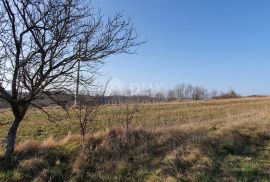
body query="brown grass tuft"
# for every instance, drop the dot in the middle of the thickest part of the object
(30, 167)
(30, 146)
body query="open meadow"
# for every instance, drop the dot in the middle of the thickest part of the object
(134, 91)
(215, 140)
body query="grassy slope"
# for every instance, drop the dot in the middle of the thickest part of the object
(224, 140)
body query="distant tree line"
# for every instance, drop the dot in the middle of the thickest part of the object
(189, 92)
(179, 92)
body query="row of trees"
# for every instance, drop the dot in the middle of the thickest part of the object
(189, 92)
(179, 92)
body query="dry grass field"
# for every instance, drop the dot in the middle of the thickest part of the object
(215, 140)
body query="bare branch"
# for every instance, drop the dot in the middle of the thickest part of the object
(39, 49)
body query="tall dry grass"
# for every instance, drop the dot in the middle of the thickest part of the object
(192, 141)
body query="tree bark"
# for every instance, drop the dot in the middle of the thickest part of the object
(11, 137)
(19, 113)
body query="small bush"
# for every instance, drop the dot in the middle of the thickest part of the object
(231, 94)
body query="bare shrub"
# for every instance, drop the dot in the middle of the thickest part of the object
(130, 112)
(231, 94)
(87, 111)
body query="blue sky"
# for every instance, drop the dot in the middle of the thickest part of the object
(217, 44)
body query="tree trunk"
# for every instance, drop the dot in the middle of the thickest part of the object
(19, 113)
(11, 137)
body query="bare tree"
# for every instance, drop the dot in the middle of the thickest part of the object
(179, 91)
(160, 96)
(199, 93)
(188, 91)
(171, 95)
(88, 106)
(130, 112)
(39, 50)
(131, 108)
